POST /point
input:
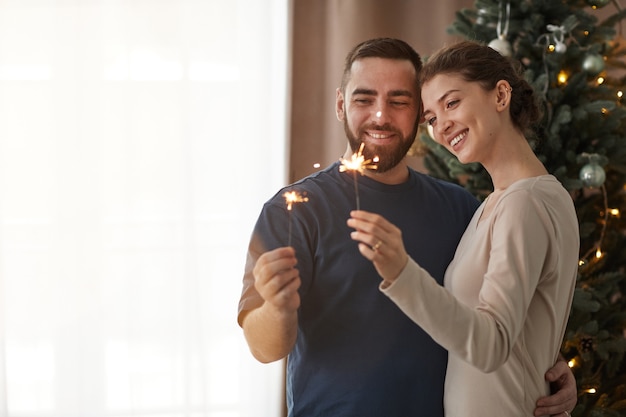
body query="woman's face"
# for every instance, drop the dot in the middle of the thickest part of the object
(464, 116)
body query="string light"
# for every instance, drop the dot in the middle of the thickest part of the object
(598, 248)
(600, 80)
(571, 363)
(591, 391)
(562, 77)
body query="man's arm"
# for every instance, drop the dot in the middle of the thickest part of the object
(271, 329)
(563, 401)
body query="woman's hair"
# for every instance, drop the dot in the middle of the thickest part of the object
(388, 48)
(476, 62)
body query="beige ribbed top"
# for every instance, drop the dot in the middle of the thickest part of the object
(507, 297)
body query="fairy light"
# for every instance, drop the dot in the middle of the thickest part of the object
(614, 212)
(591, 391)
(562, 77)
(571, 363)
(600, 80)
(357, 163)
(551, 48)
(620, 94)
(598, 248)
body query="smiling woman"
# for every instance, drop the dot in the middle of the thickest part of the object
(128, 187)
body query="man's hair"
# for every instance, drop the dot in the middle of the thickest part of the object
(387, 48)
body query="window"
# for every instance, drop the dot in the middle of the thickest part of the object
(138, 141)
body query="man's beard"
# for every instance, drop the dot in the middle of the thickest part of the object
(389, 156)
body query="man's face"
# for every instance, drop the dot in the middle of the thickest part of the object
(380, 108)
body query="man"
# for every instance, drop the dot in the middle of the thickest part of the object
(351, 352)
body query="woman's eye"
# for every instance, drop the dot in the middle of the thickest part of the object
(431, 121)
(452, 103)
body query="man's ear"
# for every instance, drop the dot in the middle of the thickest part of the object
(339, 105)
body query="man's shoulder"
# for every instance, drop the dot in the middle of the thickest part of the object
(313, 183)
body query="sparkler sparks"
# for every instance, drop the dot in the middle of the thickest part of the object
(292, 197)
(357, 163)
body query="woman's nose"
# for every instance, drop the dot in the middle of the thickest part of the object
(443, 125)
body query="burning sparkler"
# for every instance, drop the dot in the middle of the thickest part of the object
(357, 163)
(292, 197)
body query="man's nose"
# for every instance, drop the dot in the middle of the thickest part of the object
(380, 114)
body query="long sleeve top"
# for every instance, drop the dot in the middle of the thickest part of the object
(507, 296)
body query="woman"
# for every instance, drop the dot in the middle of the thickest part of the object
(508, 290)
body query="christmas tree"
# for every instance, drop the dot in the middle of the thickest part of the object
(575, 61)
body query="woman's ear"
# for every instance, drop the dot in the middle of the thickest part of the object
(503, 94)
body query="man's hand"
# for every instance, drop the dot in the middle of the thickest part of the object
(563, 401)
(277, 280)
(272, 328)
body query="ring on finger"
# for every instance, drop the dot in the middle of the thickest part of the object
(377, 245)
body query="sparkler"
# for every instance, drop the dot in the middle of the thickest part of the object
(357, 163)
(292, 197)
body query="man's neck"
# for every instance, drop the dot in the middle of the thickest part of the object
(396, 175)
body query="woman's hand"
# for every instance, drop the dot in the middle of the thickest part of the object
(380, 242)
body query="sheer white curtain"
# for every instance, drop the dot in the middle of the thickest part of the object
(138, 140)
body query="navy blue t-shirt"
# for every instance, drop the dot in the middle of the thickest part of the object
(356, 353)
